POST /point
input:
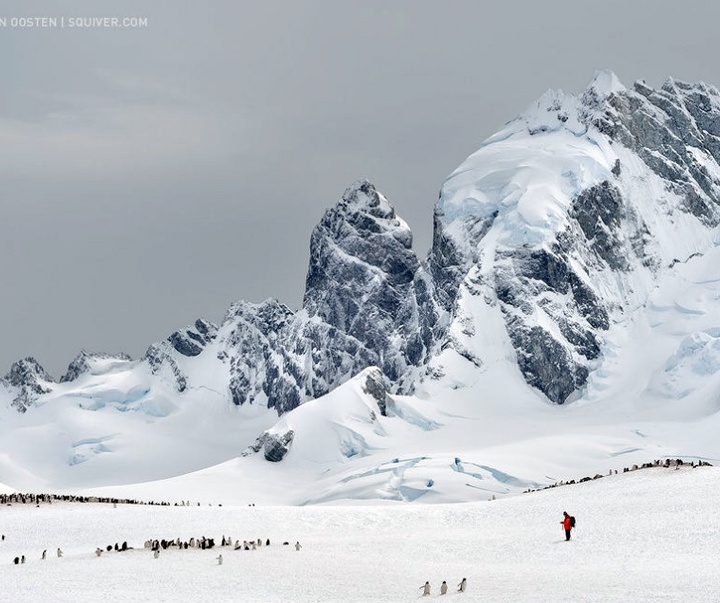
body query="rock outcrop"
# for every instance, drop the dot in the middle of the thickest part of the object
(27, 381)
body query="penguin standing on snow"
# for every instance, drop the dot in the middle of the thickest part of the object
(462, 586)
(425, 588)
(443, 588)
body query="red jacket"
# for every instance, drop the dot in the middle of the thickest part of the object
(566, 523)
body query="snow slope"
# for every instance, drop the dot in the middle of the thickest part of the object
(120, 424)
(470, 447)
(648, 536)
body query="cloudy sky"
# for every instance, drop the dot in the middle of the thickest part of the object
(153, 175)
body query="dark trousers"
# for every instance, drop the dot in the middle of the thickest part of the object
(567, 534)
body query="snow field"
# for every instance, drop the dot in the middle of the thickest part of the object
(650, 536)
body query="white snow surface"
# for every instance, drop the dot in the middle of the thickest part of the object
(648, 535)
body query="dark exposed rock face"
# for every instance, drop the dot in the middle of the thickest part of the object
(280, 359)
(365, 280)
(531, 280)
(666, 128)
(277, 446)
(368, 302)
(599, 212)
(550, 362)
(162, 362)
(274, 446)
(375, 386)
(191, 341)
(545, 363)
(319, 357)
(28, 380)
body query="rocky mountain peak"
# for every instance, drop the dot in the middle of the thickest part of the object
(358, 248)
(538, 218)
(27, 371)
(604, 84)
(364, 278)
(362, 195)
(190, 341)
(28, 380)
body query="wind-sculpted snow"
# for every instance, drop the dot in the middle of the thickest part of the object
(84, 450)
(696, 359)
(91, 362)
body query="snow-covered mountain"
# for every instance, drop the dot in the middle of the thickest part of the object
(573, 260)
(565, 220)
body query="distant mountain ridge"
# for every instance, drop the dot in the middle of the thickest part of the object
(555, 229)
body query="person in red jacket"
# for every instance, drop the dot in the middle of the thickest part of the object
(567, 524)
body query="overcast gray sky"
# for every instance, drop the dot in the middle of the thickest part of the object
(154, 175)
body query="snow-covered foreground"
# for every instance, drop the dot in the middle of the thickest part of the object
(649, 535)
